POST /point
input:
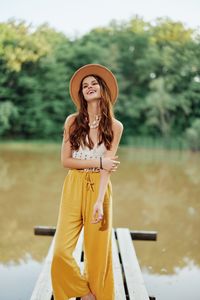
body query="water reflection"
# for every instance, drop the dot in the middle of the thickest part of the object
(184, 284)
(163, 196)
(153, 190)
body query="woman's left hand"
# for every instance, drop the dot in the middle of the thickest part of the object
(97, 215)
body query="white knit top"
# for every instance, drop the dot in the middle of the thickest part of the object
(86, 153)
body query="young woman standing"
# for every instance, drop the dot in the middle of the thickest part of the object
(90, 142)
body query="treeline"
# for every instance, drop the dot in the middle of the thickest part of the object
(157, 67)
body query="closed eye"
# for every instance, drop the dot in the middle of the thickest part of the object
(93, 83)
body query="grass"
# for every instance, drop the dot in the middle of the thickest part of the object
(38, 145)
(174, 143)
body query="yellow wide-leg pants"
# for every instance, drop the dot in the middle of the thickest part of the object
(79, 193)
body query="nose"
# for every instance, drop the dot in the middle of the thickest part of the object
(89, 86)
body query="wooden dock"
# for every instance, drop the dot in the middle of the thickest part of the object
(129, 283)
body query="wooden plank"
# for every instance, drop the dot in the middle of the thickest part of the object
(133, 275)
(132, 272)
(44, 230)
(118, 279)
(43, 288)
(141, 235)
(135, 234)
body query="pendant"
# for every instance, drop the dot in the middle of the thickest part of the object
(95, 123)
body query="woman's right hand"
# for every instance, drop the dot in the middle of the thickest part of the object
(110, 163)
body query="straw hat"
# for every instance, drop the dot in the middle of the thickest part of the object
(93, 69)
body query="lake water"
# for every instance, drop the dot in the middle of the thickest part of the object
(152, 190)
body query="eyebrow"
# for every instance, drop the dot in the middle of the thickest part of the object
(94, 80)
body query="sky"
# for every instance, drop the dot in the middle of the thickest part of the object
(76, 17)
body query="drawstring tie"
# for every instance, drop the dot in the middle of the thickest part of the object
(90, 184)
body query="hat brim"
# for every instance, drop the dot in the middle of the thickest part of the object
(94, 69)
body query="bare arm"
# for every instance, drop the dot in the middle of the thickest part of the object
(105, 174)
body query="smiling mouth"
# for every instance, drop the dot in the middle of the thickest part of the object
(91, 92)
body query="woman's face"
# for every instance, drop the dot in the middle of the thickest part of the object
(90, 88)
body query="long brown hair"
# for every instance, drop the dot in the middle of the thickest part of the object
(80, 128)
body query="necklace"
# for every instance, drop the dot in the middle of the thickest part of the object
(95, 123)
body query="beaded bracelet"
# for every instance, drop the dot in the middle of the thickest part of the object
(101, 167)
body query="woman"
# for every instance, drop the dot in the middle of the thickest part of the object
(90, 142)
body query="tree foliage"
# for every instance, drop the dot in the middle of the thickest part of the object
(157, 66)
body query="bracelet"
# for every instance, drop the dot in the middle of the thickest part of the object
(101, 167)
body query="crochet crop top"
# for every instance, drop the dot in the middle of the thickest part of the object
(86, 153)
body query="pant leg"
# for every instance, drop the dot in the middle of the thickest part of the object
(67, 280)
(98, 267)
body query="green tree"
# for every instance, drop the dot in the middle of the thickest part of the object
(160, 106)
(157, 67)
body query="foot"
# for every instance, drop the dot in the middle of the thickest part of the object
(89, 296)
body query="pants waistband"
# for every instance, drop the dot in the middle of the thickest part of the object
(93, 170)
(87, 175)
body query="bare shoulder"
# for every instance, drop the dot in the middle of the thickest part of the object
(117, 125)
(70, 119)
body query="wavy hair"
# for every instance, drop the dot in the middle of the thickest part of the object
(80, 128)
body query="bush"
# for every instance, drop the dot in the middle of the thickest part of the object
(193, 135)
